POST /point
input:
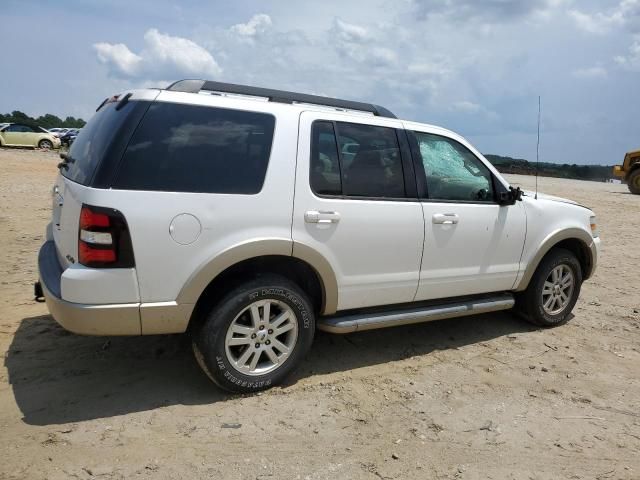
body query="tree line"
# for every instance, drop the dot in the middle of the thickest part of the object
(45, 121)
(520, 166)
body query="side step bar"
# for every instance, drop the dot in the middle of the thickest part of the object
(369, 321)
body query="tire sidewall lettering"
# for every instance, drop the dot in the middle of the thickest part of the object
(289, 297)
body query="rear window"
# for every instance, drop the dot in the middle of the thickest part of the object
(189, 148)
(95, 139)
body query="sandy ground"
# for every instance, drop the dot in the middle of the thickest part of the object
(477, 397)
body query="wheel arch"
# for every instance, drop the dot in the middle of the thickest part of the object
(576, 240)
(300, 263)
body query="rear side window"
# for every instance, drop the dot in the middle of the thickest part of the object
(189, 148)
(356, 160)
(325, 165)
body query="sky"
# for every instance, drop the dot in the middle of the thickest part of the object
(474, 66)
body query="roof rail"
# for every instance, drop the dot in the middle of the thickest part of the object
(280, 96)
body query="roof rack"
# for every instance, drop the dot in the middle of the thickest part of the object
(280, 96)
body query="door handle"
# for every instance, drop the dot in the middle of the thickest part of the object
(324, 217)
(445, 218)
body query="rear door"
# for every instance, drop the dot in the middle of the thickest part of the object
(354, 206)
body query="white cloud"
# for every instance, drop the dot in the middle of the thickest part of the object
(258, 24)
(359, 44)
(119, 56)
(626, 13)
(591, 72)
(350, 33)
(631, 61)
(163, 56)
(433, 68)
(466, 106)
(430, 68)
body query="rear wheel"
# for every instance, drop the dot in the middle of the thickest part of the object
(633, 182)
(256, 335)
(553, 291)
(45, 144)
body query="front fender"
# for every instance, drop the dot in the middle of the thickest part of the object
(552, 240)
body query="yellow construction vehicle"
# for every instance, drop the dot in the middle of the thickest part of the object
(629, 171)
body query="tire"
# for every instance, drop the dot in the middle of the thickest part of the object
(238, 350)
(633, 182)
(45, 144)
(549, 300)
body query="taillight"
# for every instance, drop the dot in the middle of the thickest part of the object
(104, 239)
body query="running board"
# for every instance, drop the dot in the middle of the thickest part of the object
(369, 321)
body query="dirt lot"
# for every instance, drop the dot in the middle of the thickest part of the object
(477, 397)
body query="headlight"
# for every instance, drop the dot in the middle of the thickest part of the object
(594, 226)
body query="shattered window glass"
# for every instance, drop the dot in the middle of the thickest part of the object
(452, 171)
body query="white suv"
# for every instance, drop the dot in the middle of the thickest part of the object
(250, 217)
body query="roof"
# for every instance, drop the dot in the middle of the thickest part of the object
(280, 96)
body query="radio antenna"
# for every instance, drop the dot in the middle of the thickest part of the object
(538, 148)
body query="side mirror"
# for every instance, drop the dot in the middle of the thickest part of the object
(515, 193)
(509, 197)
(504, 198)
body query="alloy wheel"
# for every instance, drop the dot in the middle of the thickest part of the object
(261, 337)
(558, 289)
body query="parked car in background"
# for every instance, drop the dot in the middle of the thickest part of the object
(69, 136)
(58, 131)
(21, 135)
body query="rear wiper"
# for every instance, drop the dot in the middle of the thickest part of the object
(102, 104)
(124, 101)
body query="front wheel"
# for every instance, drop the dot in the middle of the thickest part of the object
(553, 291)
(256, 335)
(45, 144)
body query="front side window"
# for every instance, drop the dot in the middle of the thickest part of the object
(191, 148)
(356, 160)
(452, 172)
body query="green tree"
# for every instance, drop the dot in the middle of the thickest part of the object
(47, 120)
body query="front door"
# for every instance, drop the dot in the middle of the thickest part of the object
(472, 244)
(352, 207)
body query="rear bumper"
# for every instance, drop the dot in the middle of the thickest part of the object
(111, 319)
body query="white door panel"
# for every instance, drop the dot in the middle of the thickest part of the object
(373, 246)
(478, 253)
